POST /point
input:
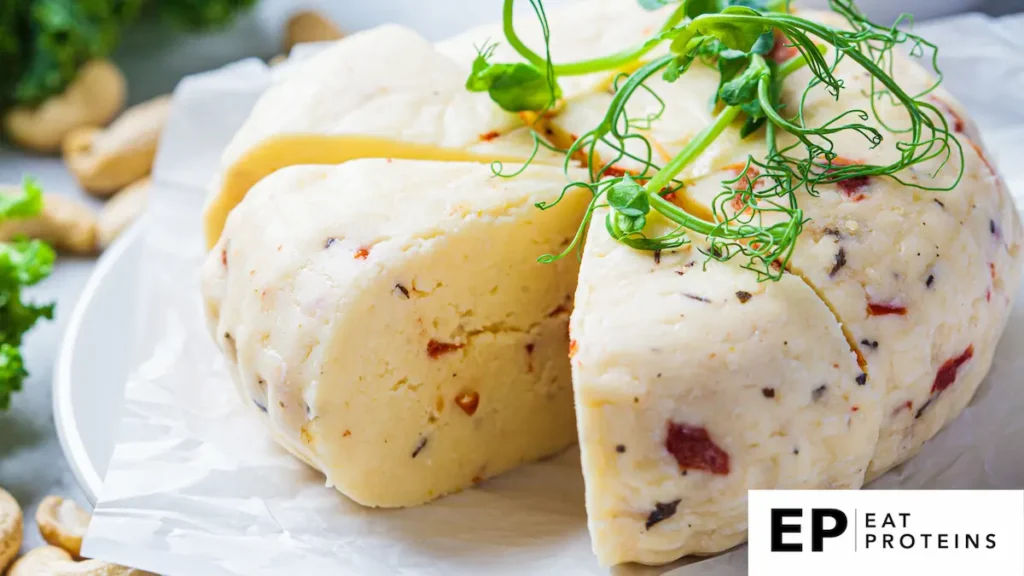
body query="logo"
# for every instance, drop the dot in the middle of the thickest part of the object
(886, 532)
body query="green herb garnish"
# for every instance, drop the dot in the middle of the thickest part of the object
(735, 37)
(22, 263)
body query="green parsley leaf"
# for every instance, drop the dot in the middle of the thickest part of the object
(24, 205)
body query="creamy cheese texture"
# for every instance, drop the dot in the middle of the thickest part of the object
(388, 319)
(391, 324)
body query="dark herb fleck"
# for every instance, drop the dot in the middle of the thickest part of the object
(329, 242)
(419, 447)
(743, 297)
(260, 406)
(402, 290)
(920, 410)
(862, 379)
(662, 511)
(818, 392)
(873, 344)
(697, 298)
(839, 262)
(930, 280)
(768, 392)
(992, 227)
(832, 232)
(796, 450)
(939, 202)
(657, 256)
(620, 448)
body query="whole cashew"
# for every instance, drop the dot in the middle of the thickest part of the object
(121, 211)
(52, 561)
(10, 528)
(65, 223)
(93, 98)
(309, 26)
(106, 160)
(62, 523)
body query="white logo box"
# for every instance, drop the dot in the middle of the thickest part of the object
(932, 532)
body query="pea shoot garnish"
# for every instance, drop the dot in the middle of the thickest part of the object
(741, 40)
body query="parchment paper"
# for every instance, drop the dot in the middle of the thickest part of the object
(196, 487)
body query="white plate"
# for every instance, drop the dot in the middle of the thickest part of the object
(88, 385)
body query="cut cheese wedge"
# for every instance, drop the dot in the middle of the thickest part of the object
(391, 324)
(694, 385)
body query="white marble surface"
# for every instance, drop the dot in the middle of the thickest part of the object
(31, 462)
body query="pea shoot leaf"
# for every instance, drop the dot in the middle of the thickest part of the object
(515, 87)
(629, 198)
(742, 88)
(740, 36)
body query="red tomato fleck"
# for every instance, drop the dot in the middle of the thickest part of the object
(572, 348)
(992, 269)
(947, 372)
(361, 254)
(346, 434)
(781, 51)
(988, 295)
(855, 408)
(849, 187)
(693, 449)
(490, 136)
(224, 257)
(617, 172)
(436, 349)
(468, 401)
(981, 154)
(886, 309)
(908, 405)
(947, 110)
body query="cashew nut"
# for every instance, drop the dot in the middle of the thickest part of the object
(62, 523)
(10, 528)
(121, 211)
(65, 223)
(93, 98)
(106, 160)
(52, 561)
(309, 26)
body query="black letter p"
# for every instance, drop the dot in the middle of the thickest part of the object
(818, 531)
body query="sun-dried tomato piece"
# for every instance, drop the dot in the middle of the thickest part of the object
(947, 372)
(573, 347)
(487, 137)
(781, 51)
(693, 449)
(361, 254)
(468, 401)
(436, 348)
(849, 187)
(886, 309)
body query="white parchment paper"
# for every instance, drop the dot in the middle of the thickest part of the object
(196, 487)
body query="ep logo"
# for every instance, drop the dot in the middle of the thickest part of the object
(823, 523)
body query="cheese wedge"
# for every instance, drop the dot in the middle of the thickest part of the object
(694, 385)
(390, 322)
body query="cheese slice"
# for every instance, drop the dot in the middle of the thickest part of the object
(696, 384)
(391, 324)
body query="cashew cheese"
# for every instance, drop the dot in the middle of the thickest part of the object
(391, 324)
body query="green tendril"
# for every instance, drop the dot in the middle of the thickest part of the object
(756, 215)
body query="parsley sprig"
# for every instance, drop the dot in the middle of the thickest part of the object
(735, 37)
(22, 263)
